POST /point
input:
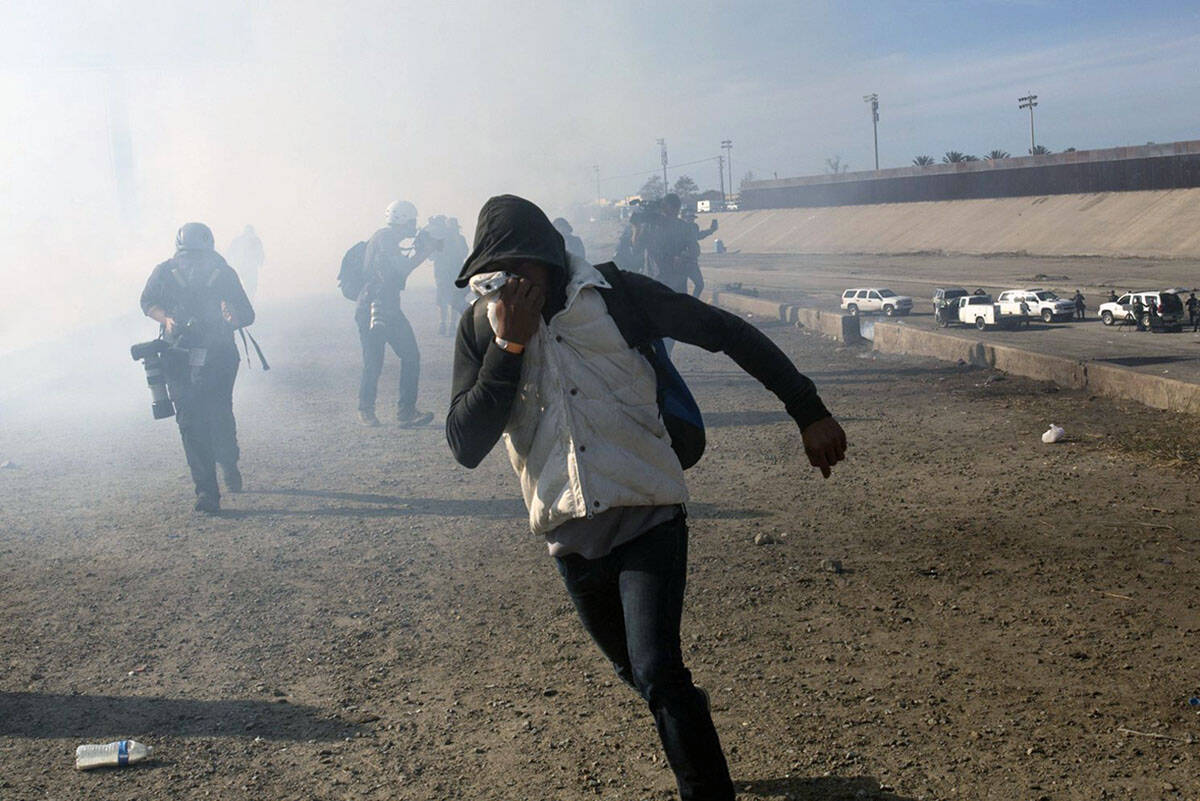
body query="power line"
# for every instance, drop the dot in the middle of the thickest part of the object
(656, 170)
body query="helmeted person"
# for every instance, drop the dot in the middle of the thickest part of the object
(246, 256)
(199, 301)
(574, 244)
(446, 263)
(392, 253)
(542, 363)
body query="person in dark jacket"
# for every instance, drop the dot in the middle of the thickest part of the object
(540, 363)
(1193, 310)
(689, 217)
(1080, 305)
(199, 302)
(393, 252)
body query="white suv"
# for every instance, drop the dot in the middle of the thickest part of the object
(1040, 302)
(859, 301)
(1170, 309)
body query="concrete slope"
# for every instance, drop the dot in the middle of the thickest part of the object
(1158, 224)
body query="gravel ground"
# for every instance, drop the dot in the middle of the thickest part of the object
(960, 612)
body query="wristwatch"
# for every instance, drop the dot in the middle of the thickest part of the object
(510, 347)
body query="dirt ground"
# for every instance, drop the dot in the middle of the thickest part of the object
(371, 621)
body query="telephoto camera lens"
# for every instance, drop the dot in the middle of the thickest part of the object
(150, 355)
(161, 402)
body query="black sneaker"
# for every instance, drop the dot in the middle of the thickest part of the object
(411, 418)
(233, 478)
(208, 504)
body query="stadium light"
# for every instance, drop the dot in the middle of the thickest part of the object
(1029, 102)
(873, 99)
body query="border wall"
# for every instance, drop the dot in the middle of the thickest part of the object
(1174, 165)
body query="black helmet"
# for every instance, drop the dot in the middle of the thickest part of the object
(194, 236)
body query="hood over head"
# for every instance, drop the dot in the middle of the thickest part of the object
(513, 228)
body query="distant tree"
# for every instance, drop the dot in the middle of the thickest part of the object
(747, 178)
(1069, 150)
(654, 188)
(686, 188)
(996, 155)
(1040, 150)
(923, 161)
(953, 157)
(835, 165)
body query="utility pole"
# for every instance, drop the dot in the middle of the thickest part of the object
(1029, 102)
(721, 172)
(596, 169)
(873, 99)
(727, 146)
(662, 143)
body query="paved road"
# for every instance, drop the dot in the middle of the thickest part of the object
(819, 281)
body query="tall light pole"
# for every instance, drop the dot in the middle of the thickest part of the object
(721, 173)
(1029, 102)
(662, 143)
(873, 99)
(727, 146)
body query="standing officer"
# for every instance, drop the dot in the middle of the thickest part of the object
(392, 253)
(199, 301)
(1193, 310)
(1080, 304)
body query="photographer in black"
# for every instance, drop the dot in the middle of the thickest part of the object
(199, 301)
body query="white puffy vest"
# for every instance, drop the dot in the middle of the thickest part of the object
(585, 433)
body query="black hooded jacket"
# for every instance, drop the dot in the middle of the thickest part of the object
(486, 377)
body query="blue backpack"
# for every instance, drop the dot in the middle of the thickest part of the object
(679, 410)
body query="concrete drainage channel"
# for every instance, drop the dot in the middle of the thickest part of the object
(887, 336)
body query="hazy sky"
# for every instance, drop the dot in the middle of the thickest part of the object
(305, 118)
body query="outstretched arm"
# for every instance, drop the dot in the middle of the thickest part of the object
(688, 319)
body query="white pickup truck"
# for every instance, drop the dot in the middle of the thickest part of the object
(977, 310)
(1039, 302)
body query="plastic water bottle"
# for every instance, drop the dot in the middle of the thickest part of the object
(119, 754)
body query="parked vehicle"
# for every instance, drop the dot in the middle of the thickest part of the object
(1040, 302)
(977, 310)
(946, 298)
(865, 300)
(1170, 309)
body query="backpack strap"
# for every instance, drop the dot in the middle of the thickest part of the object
(625, 308)
(481, 325)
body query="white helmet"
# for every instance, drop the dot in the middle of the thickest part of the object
(400, 211)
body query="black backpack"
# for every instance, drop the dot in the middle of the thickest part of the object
(679, 410)
(350, 276)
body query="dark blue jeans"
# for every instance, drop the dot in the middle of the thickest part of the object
(631, 601)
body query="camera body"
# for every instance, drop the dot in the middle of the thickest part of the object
(425, 242)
